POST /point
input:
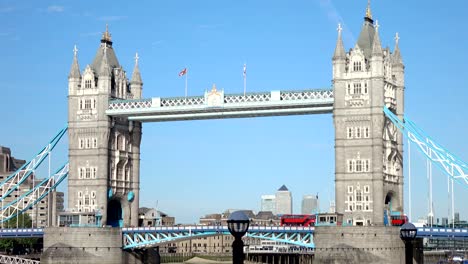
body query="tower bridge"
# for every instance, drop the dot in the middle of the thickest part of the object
(106, 112)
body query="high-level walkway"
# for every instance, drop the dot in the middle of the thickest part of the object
(215, 104)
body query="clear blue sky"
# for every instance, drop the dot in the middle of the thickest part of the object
(197, 167)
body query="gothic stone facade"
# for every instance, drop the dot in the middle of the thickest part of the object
(368, 149)
(104, 152)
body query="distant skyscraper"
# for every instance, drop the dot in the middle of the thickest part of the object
(283, 201)
(457, 217)
(309, 204)
(269, 203)
(445, 221)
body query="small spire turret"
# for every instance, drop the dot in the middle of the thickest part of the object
(396, 54)
(376, 45)
(75, 68)
(136, 76)
(339, 50)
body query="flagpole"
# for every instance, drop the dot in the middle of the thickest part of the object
(245, 77)
(186, 75)
(244, 84)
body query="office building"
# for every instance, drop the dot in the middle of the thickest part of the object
(268, 203)
(283, 201)
(309, 204)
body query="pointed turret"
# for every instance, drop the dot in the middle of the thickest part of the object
(104, 70)
(376, 45)
(136, 76)
(105, 50)
(366, 37)
(75, 68)
(136, 83)
(396, 54)
(339, 50)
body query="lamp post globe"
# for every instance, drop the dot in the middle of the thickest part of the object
(408, 233)
(238, 224)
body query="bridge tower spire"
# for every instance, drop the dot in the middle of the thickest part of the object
(368, 152)
(104, 152)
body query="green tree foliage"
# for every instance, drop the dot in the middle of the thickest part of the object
(20, 221)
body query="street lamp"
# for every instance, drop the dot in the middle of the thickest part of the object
(408, 233)
(238, 224)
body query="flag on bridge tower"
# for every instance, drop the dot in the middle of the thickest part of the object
(182, 73)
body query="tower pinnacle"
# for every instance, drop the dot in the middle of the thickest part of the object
(106, 36)
(136, 76)
(339, 50)
(368, 11)
(75, 68)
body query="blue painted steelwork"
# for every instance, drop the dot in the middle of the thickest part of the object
(34, 196)
(151, 236)
(21, 232)
(449, 163)
(12, 182)
(436, 232)
(216, 104)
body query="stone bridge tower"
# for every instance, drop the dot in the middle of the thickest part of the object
(368, 149)
(104, 152)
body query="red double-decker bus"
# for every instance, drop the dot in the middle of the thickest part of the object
(297, 220)
(398, 219)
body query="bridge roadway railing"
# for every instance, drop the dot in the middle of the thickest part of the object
(216, 104)
(141, 237)
(442, 232)
(21, 232)
(4, 259)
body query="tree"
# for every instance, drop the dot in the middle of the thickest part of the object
(18, 244)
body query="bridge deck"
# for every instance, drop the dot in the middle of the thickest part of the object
(216, 104)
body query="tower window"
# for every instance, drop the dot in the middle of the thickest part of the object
(358, 196)
(94, 142)
(87, 104)
(358, 165)
(365, 88)
(367, 132)
(350, 166)
(350, 132)
(348, 91)
(366, 165)
(357, 88)
(366, 189)
(357, 66)
(88, 84)
(358, 132)
(88, 173)
(350, 189)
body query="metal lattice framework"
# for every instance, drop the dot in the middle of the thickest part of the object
(306, 95)
(15, 260)
(12, 182)
(248, 98)
(450, 164)
(152, 236)
(216, 104)
(33, 196)
(130, 104)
